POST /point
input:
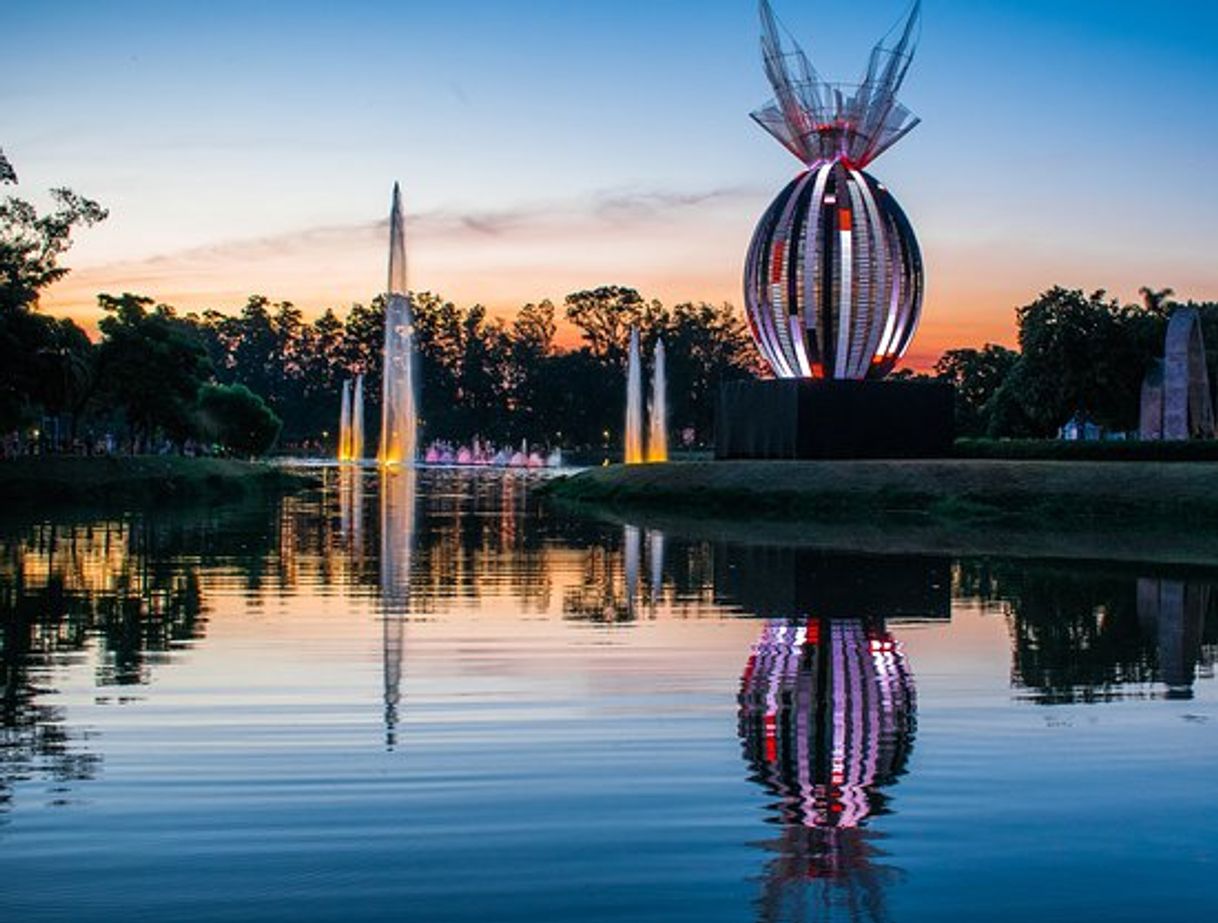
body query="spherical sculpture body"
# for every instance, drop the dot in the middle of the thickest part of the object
(834, 279)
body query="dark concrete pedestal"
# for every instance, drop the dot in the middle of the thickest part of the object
(835, 419)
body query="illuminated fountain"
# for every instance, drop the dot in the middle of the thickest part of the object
(357, 420)
(657, 435)
(479, 454)
(344, 424)
(399, 413)
(351, 421)
(634, 403)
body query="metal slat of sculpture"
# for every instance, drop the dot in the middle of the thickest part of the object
(834, 278)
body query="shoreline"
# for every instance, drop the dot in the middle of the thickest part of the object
(1147, 511)
(52, 481)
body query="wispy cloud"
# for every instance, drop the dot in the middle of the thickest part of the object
(495, 256)
(608, 209)
(628, 204)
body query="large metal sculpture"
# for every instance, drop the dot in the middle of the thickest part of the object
(1177, 402)
(833, 278)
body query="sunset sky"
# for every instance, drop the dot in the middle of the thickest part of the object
(546, 146)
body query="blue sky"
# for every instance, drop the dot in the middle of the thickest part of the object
(547, 146)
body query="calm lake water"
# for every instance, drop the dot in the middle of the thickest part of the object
(432, 699)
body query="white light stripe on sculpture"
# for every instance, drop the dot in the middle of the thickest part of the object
(834, 277)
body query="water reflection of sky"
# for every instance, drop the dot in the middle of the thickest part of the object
(434, 693)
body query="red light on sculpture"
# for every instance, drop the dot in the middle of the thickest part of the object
(814, 631)
(780, 251)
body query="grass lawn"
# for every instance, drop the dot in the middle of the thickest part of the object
(1046, 494)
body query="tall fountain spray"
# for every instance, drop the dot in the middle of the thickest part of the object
(399, 416)
(634, 403)
(356, 446)
(344, 424)
(657, 435)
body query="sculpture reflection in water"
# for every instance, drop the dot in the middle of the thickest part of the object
(827, 713)
(1175, 613)
(398, 498)
(827, 722)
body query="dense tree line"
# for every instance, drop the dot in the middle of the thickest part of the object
(1080, 356)
(500, 379)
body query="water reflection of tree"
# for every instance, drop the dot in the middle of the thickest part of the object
(631, 572)
(827, 720)
(479, 535)
(126, 593)
(35, 742)
(1092, 633)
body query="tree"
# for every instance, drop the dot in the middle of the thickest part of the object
(534, 329)
(1157, 301)
(238, 419)
(47, 368)
(606, 315)
(7, 173)
(482, 379)
(1084, 355)
(707, 345)
(978, 375)
(47, 362)
(150, 364)
(31, 244)
(65, 368)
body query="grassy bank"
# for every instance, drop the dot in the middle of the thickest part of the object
(46, 481)
(1029, 494)
(1113, 451)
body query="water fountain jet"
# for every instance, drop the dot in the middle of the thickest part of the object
(344, 424)
(657, 436)
(399, 413)
(355, 446)
(634, 403)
